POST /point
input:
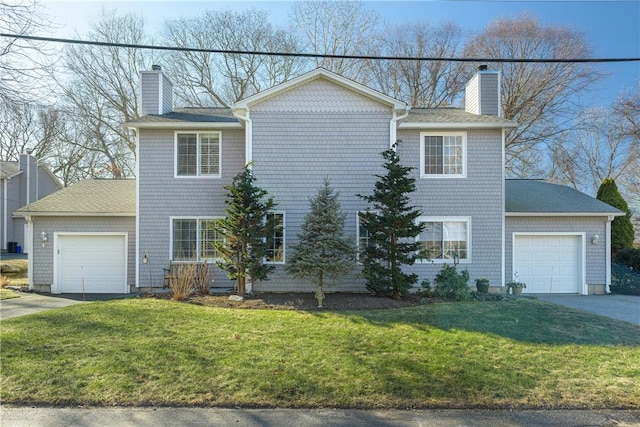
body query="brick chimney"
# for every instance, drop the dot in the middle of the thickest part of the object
(482, 93)
(156, 92)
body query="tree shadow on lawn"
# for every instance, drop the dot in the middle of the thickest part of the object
(524, 320)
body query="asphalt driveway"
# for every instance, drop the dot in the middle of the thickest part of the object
(31, 302)
(619, 307)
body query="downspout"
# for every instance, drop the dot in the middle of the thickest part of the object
(393, 126)
(248, 135)
(5, 209)
(137, 257)
(30, 254)
(607, 288)
(504, 220)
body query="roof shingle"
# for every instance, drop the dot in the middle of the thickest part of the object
(90, 196)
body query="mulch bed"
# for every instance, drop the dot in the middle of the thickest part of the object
(302, 301)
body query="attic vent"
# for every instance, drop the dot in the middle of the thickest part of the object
(156, 68)
(483, 67)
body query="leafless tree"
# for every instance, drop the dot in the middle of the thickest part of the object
(208, 79)
(597, 149)
(22, 62)
(538, 96)
(421, 84)
(341, 27)
(100, 93)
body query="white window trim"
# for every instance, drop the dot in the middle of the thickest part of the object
(198, 175)
(198, 219)
(464, 155)
(284, 239)
(358, 233)
(466, 219)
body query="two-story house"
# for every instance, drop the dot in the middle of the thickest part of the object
(323, 125)
(21, 182)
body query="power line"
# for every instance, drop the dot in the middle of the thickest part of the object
(318, 55)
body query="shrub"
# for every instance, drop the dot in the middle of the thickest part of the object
(621, 227)
(625, 280)
(452, 285)
(4, 281)
(629, 257)
(203, 278)
(184, 282)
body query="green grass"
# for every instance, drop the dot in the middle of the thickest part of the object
(8, 294)
(522, 353)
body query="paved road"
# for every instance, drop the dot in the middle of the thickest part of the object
(45, 417)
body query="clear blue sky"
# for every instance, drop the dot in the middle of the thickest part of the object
(612, 27)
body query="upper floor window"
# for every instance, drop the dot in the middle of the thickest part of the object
(445, 239)
(275, 244)
(198, 154)
(443, 155)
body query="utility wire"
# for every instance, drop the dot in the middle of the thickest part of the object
(318, 55)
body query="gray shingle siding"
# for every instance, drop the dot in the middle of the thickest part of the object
(292, 158)
(595, 254)
(162, 196)
(150, 86)
(478, 196)
(43, 257)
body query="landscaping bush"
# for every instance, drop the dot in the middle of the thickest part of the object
(625, 280)
(185, 281)
(452, 285)
(629, 257)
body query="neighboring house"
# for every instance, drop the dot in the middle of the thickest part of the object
(323, 125)
(21, 183)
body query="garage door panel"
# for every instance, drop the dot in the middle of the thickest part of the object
(92, 263)
(548, 263)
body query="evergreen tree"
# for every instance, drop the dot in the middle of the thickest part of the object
(323, 251)
(246, 231)
(392, 230)
(621, 227)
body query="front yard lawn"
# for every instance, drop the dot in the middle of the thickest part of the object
(521, 353)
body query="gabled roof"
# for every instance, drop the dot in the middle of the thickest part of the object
(320, 73)
(8, 169)
(443, 118)
(90, 197)
(526, 197)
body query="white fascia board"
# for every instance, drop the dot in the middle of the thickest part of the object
(74, 214)
(183, 125)
(456, 125)
(565, 214)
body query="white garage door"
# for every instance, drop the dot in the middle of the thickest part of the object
(548, 263)
(91, 264)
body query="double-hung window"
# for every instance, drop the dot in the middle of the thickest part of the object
(364, 237)
(443, 155)
(445, 239)
(198, 154)
(275, 243)
(193, 239)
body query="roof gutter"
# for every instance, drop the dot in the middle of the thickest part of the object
(564, 214)
(183, 125)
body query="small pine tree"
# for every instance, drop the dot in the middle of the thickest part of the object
(392, 230)
(621, 227)
(323, 251)
(245, 231)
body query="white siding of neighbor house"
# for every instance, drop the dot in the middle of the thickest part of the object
(478, 196)
(43, 256)
(596, 268)
(161, 196)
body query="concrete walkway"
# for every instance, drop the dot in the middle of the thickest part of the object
(45, 417)
(619, 307)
